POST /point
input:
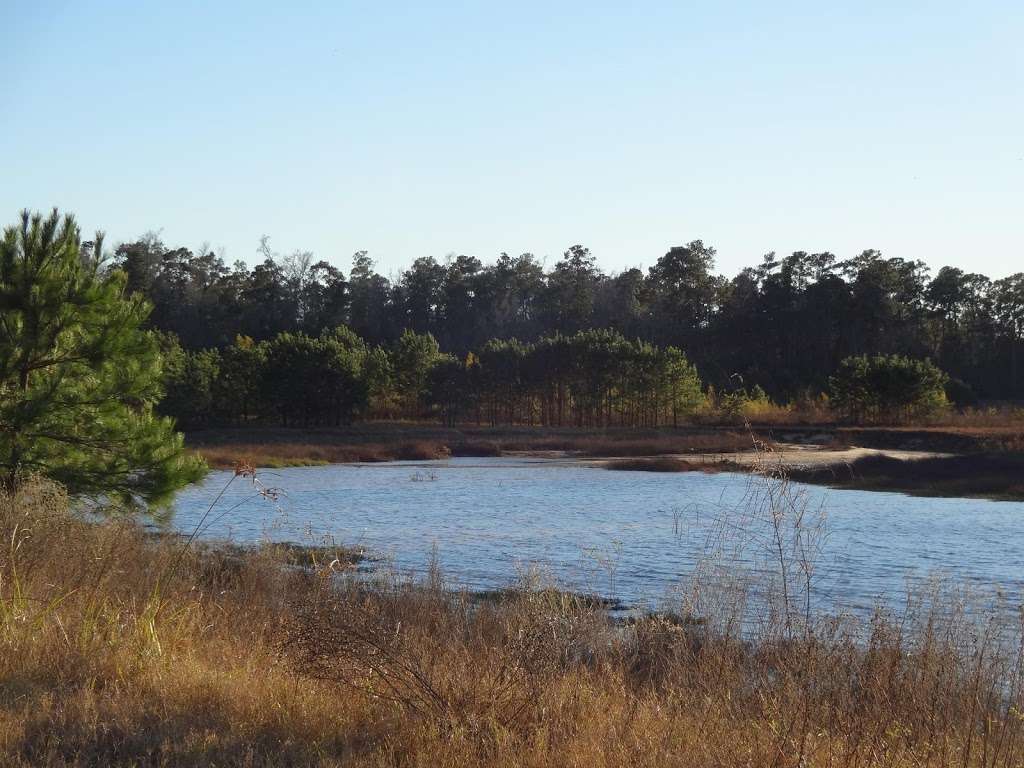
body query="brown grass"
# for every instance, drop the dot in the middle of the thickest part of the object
(387, 441)
(1000, 416)
(394, 441)
(119, 648)
(725, 441)
(662, 464)
(1005, 439)
(999, 475)
(290, 454)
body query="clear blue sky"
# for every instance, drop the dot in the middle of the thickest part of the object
(424, 129)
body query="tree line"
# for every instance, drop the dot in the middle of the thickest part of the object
(592, 378)
(784, 325)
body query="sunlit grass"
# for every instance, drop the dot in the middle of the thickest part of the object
(118, 647)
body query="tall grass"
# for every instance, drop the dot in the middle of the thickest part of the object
(120, 647)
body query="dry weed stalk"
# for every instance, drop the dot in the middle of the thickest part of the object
(385, 671)
(443, 658)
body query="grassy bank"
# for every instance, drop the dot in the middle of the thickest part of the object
(388, 441)
(983, 475)
(949, 439)
(383, 441)
(991, 464)
(668, 464)
(120, 648)
(998, 476)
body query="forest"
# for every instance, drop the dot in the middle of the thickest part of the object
(513, 342)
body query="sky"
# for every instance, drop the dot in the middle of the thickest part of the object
(426, 129)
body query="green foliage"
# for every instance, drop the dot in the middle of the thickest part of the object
(78, 374)
(783, 324)
(296, 379)
(412, 358)
(1008, 308)
(502, 370)
(887, 388)
(451, 388)
(238, 386)
(189, 382)
(684, 291)
(678, 378)
(1009, 304)
(591, 378)
(741, 404)
(571, 291)
(315, 381)
(379, 378)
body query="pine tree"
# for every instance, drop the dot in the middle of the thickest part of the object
(79, 375)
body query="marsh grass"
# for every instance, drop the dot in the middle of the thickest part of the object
(293, 453)
(987, 475)
(122, 648)
(383, 442)
(662, 464)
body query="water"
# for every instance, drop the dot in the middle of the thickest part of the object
(633, 536)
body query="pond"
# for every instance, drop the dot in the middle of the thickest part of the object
(631, 536)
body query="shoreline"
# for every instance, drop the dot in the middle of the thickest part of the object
(979, 463)
(380, 442)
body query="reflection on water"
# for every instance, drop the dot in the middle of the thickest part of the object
(633, 536)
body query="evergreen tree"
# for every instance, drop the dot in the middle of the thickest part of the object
(413, 356)
(238, 385)
(78, 374)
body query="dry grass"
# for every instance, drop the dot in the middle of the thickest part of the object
(817, 413)
(308, 453)
(662, 464)
(999, 476)
(719, 441)
(963, 439)
(119, 648)
(1000, 416)
(389, 442)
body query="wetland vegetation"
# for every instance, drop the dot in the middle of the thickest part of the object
(120, 648)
